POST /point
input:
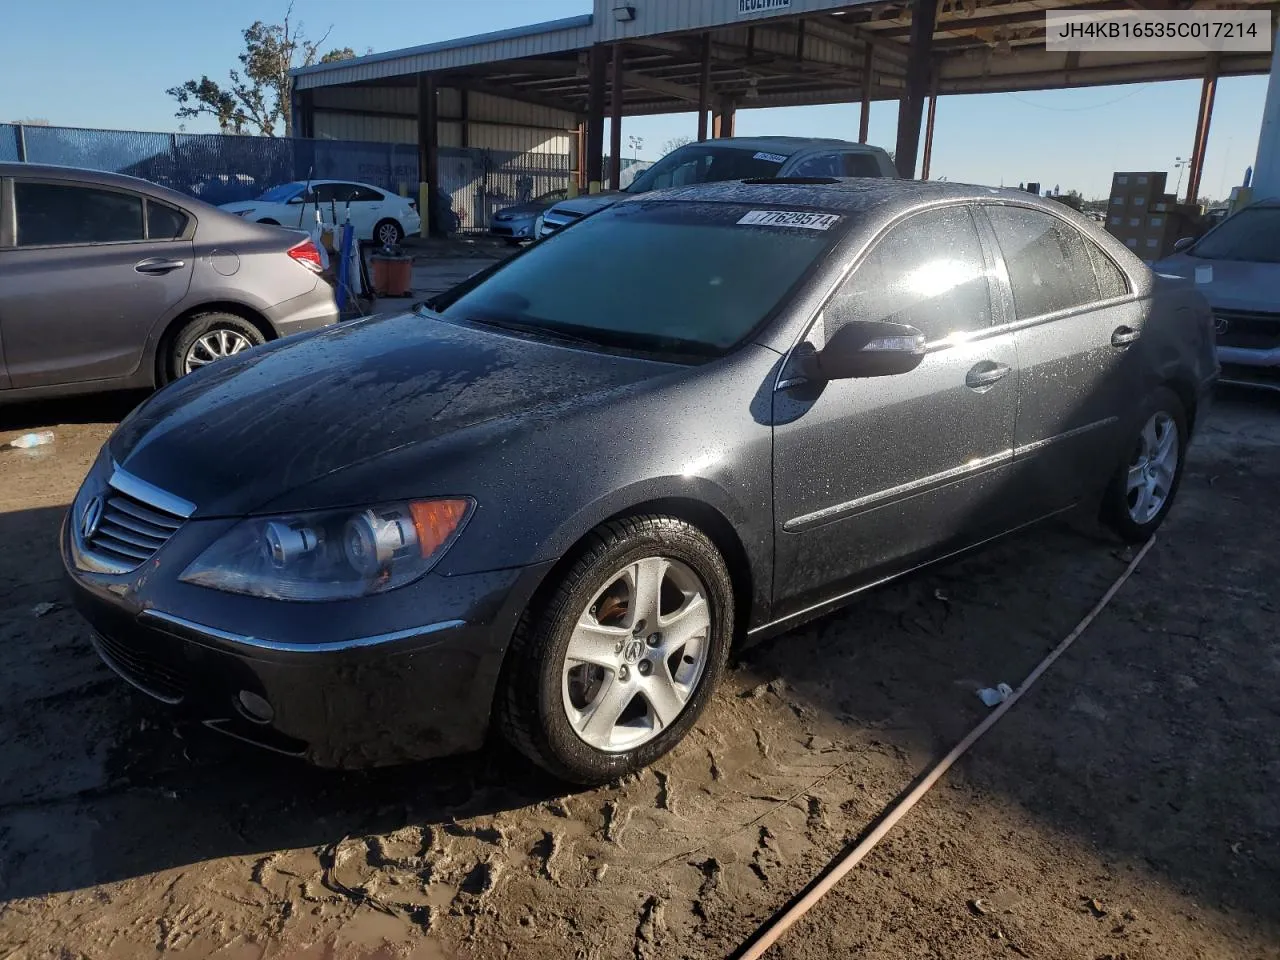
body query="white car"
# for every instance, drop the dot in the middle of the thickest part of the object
(376, 215)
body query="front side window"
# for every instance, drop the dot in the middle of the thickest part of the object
(1049, 265)
(823, 165)
(927, 272)
(54, 213)
(860, 165)
(706, 163)
(691, 279)
(1251, 235)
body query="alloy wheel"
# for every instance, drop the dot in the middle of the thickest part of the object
(1154, 465)
(214, 345)
(388, 235)
(636, 654)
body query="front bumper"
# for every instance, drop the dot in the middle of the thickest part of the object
(403, 676)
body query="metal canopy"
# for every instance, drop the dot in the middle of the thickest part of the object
(978, 46)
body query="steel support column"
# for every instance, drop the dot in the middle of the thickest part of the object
(924, 17)
(723, 118)
(928, 129)
(615, 121)
(595, 118)
(704, 87)
(864, 118)
(428, 154)
(1207, 92)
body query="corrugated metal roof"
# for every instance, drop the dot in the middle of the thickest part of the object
(553, 36)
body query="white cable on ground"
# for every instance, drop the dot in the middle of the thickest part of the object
(767, 935)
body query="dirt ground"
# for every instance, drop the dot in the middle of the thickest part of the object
(1129, 807)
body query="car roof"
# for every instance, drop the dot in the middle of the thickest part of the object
(95, 178)
(786, 146)
(846, 195)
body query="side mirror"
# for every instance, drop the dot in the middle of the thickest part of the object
(865, 348)
(1184, 243)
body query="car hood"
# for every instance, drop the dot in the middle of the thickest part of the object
(1235, 284)
(581, 206)
(242, 432)
(530, 209)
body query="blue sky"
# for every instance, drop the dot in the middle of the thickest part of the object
(112, 69)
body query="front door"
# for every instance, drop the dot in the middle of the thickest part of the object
(83, 286)
(872, 474)
(1077, 340)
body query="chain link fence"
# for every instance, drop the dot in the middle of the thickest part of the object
(223, 169)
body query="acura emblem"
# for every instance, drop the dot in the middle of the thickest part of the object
(90, 518)
(1220, 325)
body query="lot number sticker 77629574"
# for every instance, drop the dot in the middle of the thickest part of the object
(790, 218)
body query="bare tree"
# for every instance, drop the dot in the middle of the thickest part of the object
(675, 143)
(258, 98)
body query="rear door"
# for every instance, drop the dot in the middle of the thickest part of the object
(91, 270)
(1078, 325)
(871, 474)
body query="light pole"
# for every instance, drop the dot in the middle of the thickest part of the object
(1179, 164)
(636, 144)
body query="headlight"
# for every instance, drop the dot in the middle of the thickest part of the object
(332, 554)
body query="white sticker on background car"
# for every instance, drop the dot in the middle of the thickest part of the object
(771, 157)
(791, 218)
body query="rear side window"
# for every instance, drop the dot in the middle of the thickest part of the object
(1049, 264)
(1111, 279)
(164, 222)
(366, 195)
(927, 272)
(860, 165)
(51, 214)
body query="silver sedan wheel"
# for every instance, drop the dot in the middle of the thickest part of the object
(214, 345)
(636, 654)
(388, 235)
(1154, 466)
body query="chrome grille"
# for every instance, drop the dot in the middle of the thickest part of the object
(126, 524)
(131, 530)
(1250, 329)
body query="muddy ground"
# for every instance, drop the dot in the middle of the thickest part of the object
(1128, 808)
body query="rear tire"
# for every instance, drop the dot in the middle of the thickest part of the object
(1143, 488)
(653, 681)
(207, 338)
(388, 233)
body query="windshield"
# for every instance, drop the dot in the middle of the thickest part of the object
(1249, 235)
(283, 193)
(705, 163)
(691, 279)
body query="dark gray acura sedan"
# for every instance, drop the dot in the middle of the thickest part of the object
(552, 498)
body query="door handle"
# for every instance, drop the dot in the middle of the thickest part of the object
(1123, 336)
(985, 374)
(157, 266)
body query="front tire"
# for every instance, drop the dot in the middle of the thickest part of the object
(613, 667)
(1141, 492)
(207, 338)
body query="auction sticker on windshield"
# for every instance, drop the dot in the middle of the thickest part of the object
(791, 218)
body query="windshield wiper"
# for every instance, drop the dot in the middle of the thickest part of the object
(537, 330)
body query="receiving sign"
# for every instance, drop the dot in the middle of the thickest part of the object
(746, 7)
(790, 218)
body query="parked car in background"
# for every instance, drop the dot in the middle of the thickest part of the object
(515, 224)
(376, 214)
(1239, 266)
(734, 158)
(363, 545)
(109, 282)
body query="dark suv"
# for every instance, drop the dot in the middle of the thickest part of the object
(110, 282)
